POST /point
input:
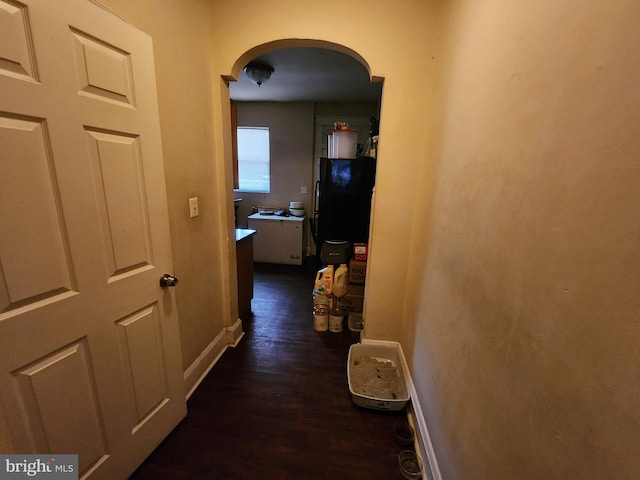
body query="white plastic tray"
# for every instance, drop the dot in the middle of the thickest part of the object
(393, 398)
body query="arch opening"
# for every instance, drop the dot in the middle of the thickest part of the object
(264, 48)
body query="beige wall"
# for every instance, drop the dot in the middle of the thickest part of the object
(181, 33)
(389, 39)
(197, 43)
(528, 337)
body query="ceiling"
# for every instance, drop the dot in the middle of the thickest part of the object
(309, 75)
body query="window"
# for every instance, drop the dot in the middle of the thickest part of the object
(253, 159)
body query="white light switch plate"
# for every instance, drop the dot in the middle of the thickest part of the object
(303, 189)
(193, 207)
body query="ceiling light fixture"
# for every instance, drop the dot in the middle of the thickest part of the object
(258, 72)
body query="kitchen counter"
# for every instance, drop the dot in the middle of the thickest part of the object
(244, 269)
(291, 218)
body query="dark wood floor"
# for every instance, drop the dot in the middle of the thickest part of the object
(278, 405)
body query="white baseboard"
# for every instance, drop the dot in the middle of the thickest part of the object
(416, 419)
(431, 470)
(234, 333)
(195, 373)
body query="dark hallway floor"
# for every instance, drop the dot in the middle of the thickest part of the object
(278, 405)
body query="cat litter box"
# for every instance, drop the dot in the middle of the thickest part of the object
(375, 377)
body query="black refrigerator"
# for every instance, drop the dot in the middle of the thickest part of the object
(342, 206)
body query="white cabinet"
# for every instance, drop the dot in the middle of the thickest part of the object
(277, 239)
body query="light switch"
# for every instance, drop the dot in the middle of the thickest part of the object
(193, 207)
(303, 189)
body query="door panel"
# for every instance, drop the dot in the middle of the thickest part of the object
(140, 337)
(41, 268)
(90, 358)
(119, 182)
(16, 46)
(64, 414)
(104, 71)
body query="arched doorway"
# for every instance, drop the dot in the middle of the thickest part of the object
(332, 81)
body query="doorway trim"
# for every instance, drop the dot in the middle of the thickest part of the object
(258, 50)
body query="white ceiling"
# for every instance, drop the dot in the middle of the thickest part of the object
(309, 75)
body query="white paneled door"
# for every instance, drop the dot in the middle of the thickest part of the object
(90, 357)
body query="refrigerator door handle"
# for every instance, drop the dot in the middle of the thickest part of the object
(316, 197)
(314, 227)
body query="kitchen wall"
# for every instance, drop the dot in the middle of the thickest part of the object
(291, 129)
(291, 142)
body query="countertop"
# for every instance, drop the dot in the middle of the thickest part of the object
(257, 216)
(242, 233)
